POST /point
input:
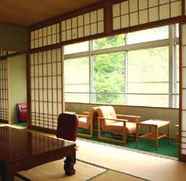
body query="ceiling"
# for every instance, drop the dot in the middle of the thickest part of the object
(28, 12)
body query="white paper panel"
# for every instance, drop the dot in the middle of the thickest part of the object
(183, 133)
(133, 4)
(183, 120)
(164, 1)
(184, 99)
(124, 8)
(153, 14)
(184, 55)
(183, 145)
(134, 19)
(176, 9)
(124, 21)
(143, 4)
(90, 23)
(100, 27)
(153, 3)
(183, 140)
(116, 23)
(143, 16)
(184, 34)
(184, 77)
(100, 15)
(116, 10)
(145, 11)
(183, 151)
(44, 94)
(164, 11)
(93, 16)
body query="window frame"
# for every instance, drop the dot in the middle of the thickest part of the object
(171, 42)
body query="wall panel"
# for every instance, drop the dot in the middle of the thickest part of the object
(46, 92)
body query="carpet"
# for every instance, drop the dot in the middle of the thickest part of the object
(166, 147)
(21, 124)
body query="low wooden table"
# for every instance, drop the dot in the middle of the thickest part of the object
(153, 132)
(21, 150)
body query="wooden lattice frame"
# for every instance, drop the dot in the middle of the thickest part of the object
(46, 88)
(135, 12)
(4, 91)
(169, 17)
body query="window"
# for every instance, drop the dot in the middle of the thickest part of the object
(76, 80)
(148, 77)
(76, 48)
(109, 78)
(148, 35)
(125, 69)
(109, 42)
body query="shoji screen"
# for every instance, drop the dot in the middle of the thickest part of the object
(82, 26)
(183, 128)
(3, 90)
(87, 24)
(3, 52)
(45, 36)
(135, 12)
(46, 88)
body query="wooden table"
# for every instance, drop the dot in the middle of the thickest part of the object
(22, 149)
(153, 132)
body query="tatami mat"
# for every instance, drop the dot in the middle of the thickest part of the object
(124, 160)
(116, 158)
(115, 176)
(54, 171)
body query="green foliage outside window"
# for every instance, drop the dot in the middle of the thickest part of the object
(109, 72)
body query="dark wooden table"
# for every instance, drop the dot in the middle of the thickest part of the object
(22, 149)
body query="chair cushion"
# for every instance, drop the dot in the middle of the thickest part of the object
(107, 112)
(118, 128)
(88, 119)
(131, 127)
(82, 119)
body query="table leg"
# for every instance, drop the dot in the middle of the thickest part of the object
(156, 136)
(69, 164)
(4, 172)
(137, 133)
(168, 133)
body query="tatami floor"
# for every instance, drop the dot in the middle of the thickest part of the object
(138, 164)
(121, 159)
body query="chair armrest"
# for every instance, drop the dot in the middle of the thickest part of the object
(117, 119)
(82, 115)
(130, 118)
(85, 113)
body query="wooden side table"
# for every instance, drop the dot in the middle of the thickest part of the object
(153, 132)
